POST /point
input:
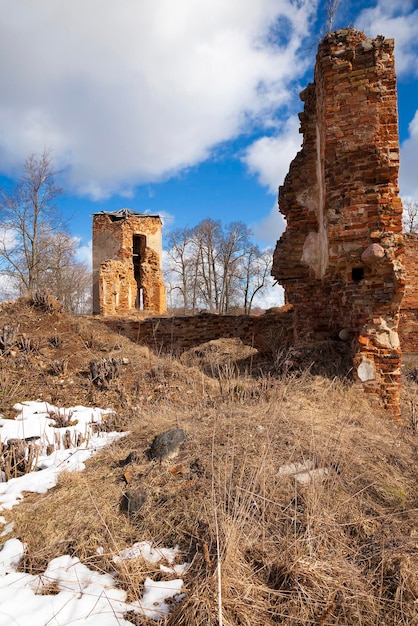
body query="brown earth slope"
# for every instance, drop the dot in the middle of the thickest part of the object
(339, 548)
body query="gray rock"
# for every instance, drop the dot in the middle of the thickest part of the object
(133, 457)
(132, 502)
(167, 444)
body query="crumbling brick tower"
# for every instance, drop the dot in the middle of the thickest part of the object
(339, 259)
(127, 270)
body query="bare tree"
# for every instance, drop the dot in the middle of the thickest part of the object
(179, 244)
(205, 241)
(331, 8)
(215, 267)
(27, 216)
(36, 254)
(234, 244)
(62, 276)
(256, 270)
(410, 216)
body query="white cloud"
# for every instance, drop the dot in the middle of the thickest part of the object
(7, 288)
(84, 254)
(269, 229)
(9, 237)
(269, 157)
(399, 20)
(131, 92)
(272, 296)
(408, 170)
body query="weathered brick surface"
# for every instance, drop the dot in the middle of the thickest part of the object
(117, 286)
(267, 332)
(408, 323)
(410, 300)
(339, 259)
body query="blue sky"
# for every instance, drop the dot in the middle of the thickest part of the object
(187, 108)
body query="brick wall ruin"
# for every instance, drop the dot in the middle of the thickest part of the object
(127, 270)
(267, 333)
(339, 259)
(408, 324)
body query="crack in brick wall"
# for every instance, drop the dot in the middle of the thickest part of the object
(127, 270)
(339, 259)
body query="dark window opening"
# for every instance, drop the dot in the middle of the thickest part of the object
(357, 274)
(138, 251)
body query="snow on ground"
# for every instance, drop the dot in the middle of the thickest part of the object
(79, 595)
(35, 422)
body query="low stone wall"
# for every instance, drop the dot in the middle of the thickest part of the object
(265, 332)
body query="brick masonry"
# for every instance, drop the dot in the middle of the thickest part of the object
(340, 258)
(408, 324)
(269, 332)
(127, 270)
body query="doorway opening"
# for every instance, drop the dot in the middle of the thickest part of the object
(138, 253)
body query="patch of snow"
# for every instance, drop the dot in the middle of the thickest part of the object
(145, 550)
(154, 603)
(80, 595)
(34, 420)
(295, 468)
(84, 596)
(7, 528)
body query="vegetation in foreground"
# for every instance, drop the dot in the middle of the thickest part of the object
(341, 548)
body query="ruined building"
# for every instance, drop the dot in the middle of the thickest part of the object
(339, 259)
(127, 270)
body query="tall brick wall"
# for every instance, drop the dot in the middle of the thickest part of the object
(339, 259)
(125, 272)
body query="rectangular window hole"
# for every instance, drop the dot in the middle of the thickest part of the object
(357, 274)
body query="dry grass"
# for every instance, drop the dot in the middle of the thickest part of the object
(339, 551)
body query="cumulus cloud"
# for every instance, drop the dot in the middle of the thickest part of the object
(269, 157)
(7, 288)
(130, 92)
(399, 20)
(269, 229)
(84, 253)
(408, 170)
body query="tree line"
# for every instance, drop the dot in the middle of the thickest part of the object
(215, 267)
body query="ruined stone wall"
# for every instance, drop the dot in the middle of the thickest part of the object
(410, 300)
(339, 259)
(115, 285)
(268, 332)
